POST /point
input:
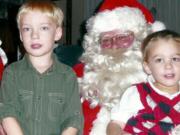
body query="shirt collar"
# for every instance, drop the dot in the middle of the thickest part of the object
(54, 67)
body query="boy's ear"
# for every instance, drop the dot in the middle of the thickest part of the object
(146, 68)
(58, 34)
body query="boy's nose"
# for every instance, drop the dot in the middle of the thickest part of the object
(35, 34)
(168, 64)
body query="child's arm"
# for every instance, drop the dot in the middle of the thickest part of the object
(70, 131)
(11, 126)
(73, 117)
(124, 110)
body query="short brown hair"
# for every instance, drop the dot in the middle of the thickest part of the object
(164, 34)
(45, 7)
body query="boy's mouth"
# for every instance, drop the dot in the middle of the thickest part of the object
(169, 76)
(36, 46)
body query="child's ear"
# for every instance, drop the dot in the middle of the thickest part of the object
(146, 68)
(58, 33)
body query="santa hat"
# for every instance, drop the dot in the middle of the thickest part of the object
(112, 4)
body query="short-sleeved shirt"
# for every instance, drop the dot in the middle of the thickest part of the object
(44, 104)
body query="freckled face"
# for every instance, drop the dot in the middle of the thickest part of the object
(38, 33)
(164, 63)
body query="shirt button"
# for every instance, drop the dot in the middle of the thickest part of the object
(38, 97)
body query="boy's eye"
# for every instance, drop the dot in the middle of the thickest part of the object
(158, 60)
(176, 59)
(26, 29)
(44, 28)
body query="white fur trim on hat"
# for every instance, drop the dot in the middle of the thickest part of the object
(158, 26)
(123, 18)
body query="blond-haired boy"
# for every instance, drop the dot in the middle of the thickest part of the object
(39, 92)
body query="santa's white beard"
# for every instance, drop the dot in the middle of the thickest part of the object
(106, 77)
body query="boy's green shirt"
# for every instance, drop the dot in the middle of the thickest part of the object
(44, 104)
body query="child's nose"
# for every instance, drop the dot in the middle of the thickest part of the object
(35, 34)
(168, 64)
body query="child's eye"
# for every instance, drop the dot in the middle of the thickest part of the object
(158, 60)
(44, 28)
(176, 59)
(25, 29)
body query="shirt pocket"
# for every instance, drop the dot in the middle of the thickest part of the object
(55, 106)
(26, 97)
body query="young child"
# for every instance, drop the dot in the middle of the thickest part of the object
(152, 107)
(39, 92)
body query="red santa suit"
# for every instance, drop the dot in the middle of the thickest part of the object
(1, 68)
(3, 61)
(112, 58)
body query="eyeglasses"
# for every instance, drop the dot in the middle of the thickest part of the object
(116, 39)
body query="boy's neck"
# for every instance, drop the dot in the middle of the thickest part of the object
(42, 64)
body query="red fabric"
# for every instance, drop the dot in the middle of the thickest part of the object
(90, 114)
(1, 68)
(112, 4)
(1, 72)
(163, 108)
(79, 69)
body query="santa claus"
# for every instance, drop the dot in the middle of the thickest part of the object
(112, 58)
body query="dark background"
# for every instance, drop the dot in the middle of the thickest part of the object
(76, 13)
